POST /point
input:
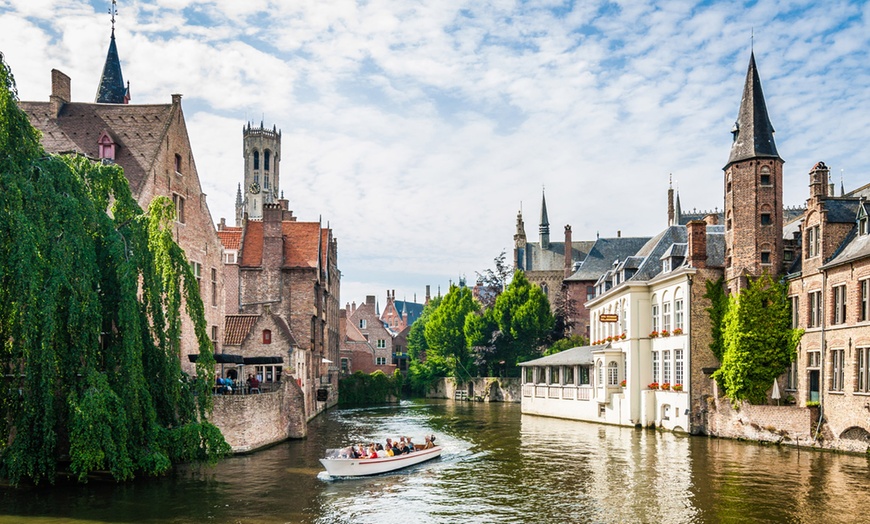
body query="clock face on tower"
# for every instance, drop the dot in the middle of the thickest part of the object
(254, 188)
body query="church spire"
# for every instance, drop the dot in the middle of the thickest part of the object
(112, 89)
(545, 223)
(753, 132)
(678, 210)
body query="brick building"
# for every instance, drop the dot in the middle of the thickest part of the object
(366, 320)
(151, 143)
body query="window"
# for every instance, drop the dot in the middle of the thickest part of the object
(813, 241)
(268, 373)
(814, 358)
(788, 255)
(765, 219)
(382, 343)
(530, 375)
(795, 311)
(345, 366)
(765, 258)
(178, 200)
(568, 375)
(865, 299)
(266, 181)
(837, 369)
(267, 336)
(613, 374)
(863, 370)
(765, 176)
(678, 313)
(583, 376)
(542, 375)
(177, 164)
(678, 366)
(266, 155)
(655, 366)
(791, 376)
(666, 366)
(815, 319)
(230, 258)
(554, 375)
(256, 159)
(197, 272)
(655, 317)
(214, 287)
(214, 336)
(600, 373)
(362, 323)
(590, 292)
(839, 305)
(381, 361)
(666, 316)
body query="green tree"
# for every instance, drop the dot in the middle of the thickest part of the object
(718, 308)
(445, 332)
(569, 342)
(90, 305)
(422, 372)
(759, 342)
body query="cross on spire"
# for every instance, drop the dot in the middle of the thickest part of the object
(113, 10)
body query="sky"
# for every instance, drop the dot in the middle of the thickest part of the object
(417, 130)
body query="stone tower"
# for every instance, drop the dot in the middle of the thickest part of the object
(753, 191)
(262, 152)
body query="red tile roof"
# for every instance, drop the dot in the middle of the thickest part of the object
(231, 237)
(252, 240)
(301, 240)
(237, 327)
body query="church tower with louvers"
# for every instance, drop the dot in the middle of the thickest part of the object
(753, 192)
(262, 153)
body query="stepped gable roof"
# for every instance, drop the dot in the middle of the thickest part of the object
(604, 252)
(138, 131)
(237, 327)
(581, 355)
(230, 237)
(753, 132)
(252, 245)
(111, 89)
(302, 243)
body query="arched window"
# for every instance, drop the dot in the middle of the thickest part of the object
(266, 160)
(267, 336)
(613, 374)
(256, 159)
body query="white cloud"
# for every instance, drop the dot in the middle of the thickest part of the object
(416, 129)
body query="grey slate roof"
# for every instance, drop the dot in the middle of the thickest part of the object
(111, 89)
(753, 132)
(570, 357)
(603, 253)
(841, 211)
(676, 250)
(413, 309)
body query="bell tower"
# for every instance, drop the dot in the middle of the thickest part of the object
(753, 191)
(262, 153)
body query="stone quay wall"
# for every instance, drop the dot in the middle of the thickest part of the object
(251, 422)
(490, 389)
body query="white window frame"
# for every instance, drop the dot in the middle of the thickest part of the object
(679, 376)
(678, 313)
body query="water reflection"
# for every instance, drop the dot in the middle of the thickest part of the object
(498, 466)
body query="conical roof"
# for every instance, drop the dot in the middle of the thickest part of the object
(753, 132)
(112, 89)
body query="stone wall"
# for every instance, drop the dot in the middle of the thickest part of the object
(492, 389)
(250, 422)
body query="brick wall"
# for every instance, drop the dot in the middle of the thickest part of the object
(249, 422)
(701, 357)
(781, 424)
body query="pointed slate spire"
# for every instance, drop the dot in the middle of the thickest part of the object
(545, 223)
(678, 210)
(753, 132)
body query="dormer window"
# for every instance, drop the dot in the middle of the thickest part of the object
(862, 226)
(666, 265)
(106, 147)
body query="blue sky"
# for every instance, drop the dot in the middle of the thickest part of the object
(417, 129)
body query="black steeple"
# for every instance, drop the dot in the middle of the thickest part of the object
(112, 89)
(753, 132)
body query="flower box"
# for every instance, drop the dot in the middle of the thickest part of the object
(666, 386)
(622, 336)
(677, 387)
(622, 383)
(665, 333)
(678, 331)
(653, 385)
(609, 339)
(653, 334)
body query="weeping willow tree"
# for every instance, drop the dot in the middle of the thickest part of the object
(91, 294)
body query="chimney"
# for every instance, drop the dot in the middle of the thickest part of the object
(712, 219)
(819, 181)
(223, 224)
(619, 234)
(670, 206)
(353, 306)
(176, 99)
(370, 300)
(569, 252)
(427, 294)
(697, 255)
(60, 91)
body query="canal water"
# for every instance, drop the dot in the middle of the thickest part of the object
(498, 466)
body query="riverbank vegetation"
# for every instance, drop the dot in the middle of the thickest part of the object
(91, 297)
(370, 388)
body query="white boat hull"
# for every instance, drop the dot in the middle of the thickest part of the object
(361, 467)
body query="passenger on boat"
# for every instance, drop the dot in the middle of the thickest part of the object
(428, 443)
(373, 452)
(396, 449)
(410, 444)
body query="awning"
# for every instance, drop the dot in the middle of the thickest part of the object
(263, 360)
(221, 358)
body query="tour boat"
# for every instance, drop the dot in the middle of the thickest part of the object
(357, 467)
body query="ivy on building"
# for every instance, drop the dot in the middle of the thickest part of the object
(758, 341)
(91, 296)
(718, 307)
